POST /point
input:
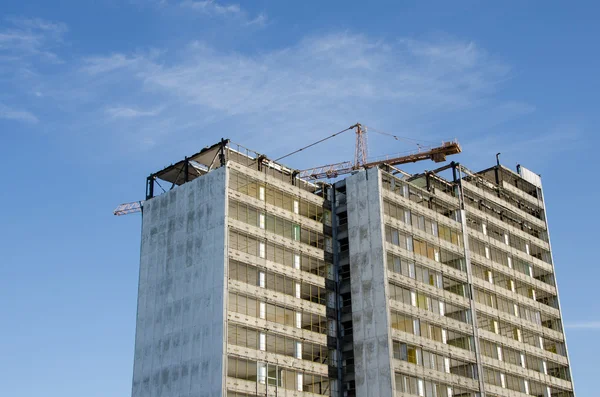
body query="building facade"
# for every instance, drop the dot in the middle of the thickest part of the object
(255, 282)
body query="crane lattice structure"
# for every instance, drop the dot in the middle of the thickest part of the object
(437, 154)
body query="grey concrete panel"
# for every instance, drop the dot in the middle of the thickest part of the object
(368, 278)
(180, 331)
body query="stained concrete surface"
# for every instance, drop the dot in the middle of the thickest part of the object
(180, 343)
(368, 280)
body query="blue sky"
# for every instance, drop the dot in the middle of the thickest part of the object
(95, 95)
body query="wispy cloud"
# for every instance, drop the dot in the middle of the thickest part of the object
(225, 10)
(28, 37)
(260, 20)
(584, 325)
(123, 112)
(9, 113)
(409, 86)
(106, 64)
(212, 7)
(27, 47)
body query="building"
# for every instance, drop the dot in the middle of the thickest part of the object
(256, 282)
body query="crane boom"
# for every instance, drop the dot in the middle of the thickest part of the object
(437, 154)
(128, 208)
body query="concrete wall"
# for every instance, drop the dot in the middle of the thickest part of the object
(368, 279)
(180, 343)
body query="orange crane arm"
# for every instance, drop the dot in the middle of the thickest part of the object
(437, 154)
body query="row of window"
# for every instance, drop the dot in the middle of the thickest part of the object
(521, 335)
(519, 384)
(277, 313)
(427, 388)
(278, 344)
(279, 226)
(425, 275)
(514, 309)
(275, 376)
(425, 302)
(259, 190)
(501, 214)
(419, 196)
(502, 258)
(249, 274)
(430, 360)
(423, 223)
(424, 248)
(509, 239)
(276, 253)
(522, 359)
(415, 326)
(517, 286)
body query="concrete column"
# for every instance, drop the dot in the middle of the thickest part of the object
(368, 279)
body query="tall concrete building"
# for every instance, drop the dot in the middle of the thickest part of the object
(254, 282)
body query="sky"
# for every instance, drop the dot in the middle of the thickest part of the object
(96, 95)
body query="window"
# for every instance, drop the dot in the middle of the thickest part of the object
(296, 232)
(262, 373)
(412, 355)
(261, 193)
(262, 341)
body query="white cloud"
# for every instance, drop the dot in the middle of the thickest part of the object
(584, 325)
(271, 98)
(232, 11)
(212, 7)
(105, 64)
(122, 112)
(260, 20)
(9, 113)
(57, 28)
(310, 88)
(321, 72)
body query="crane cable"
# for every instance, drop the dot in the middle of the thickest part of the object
(315, 143)
(398, 138)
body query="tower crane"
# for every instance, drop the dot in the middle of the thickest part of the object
(437, 154)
